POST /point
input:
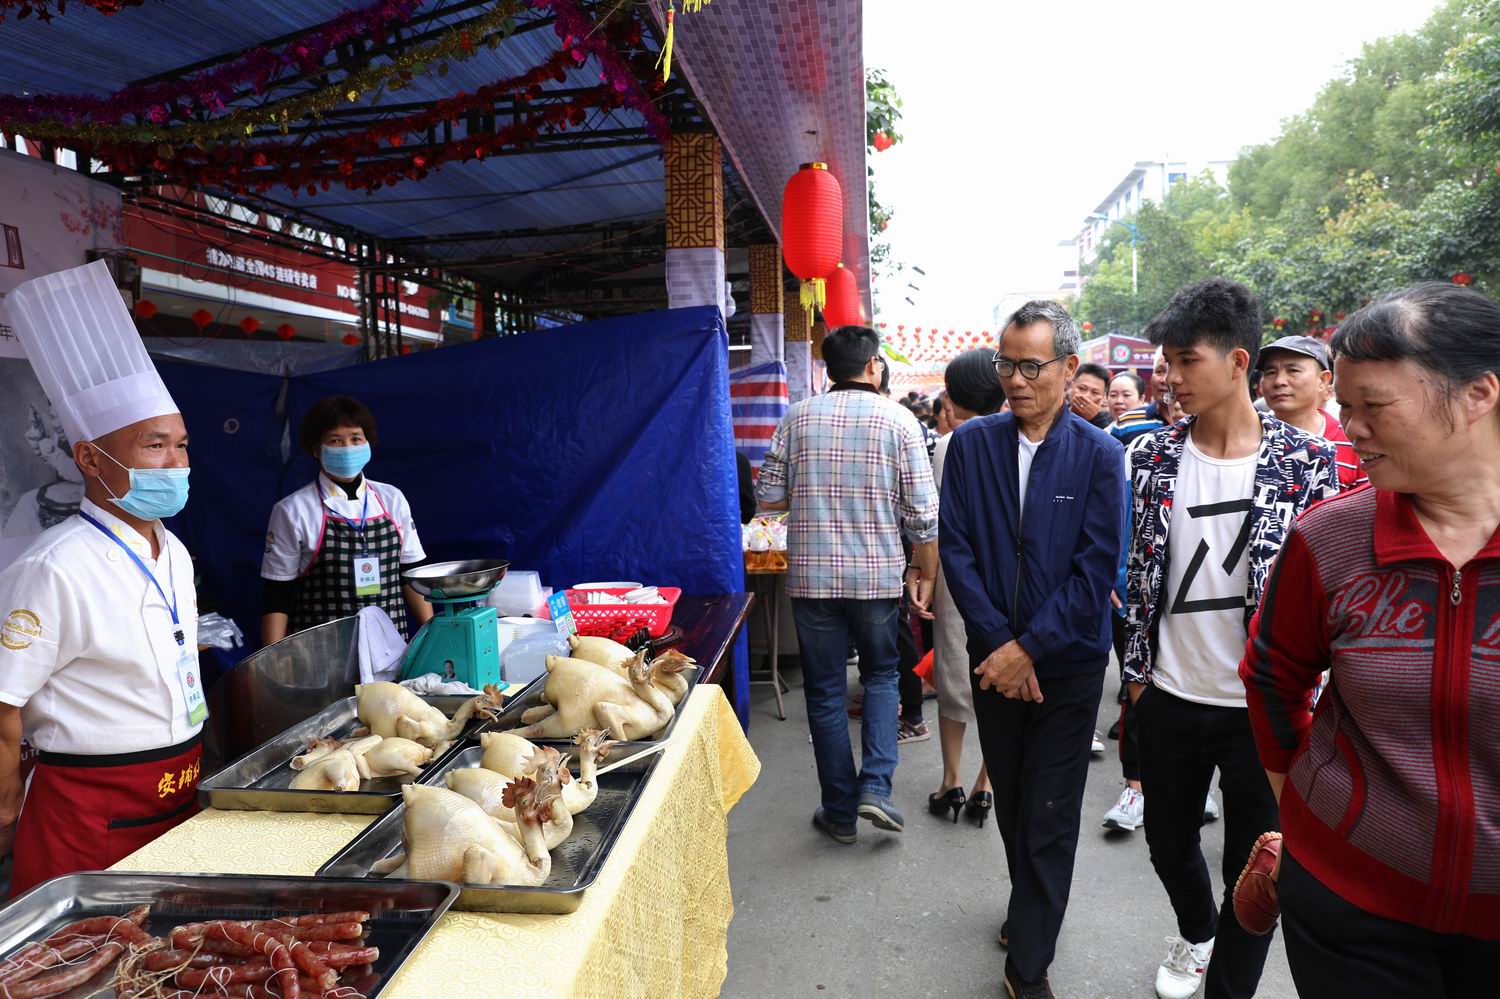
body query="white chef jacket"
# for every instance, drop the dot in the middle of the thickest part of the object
(296, 531)
(87, 646)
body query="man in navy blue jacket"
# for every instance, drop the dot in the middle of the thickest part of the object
(1029, 535)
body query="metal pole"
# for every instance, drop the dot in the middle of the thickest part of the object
(1134, 271)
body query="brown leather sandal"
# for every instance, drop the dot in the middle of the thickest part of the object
(1255, 903)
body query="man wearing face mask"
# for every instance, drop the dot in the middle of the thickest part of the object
(340, 542)
(98, 617)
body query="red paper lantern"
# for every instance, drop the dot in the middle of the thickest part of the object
(145, 308)
(843, 306)
(286, 331)
(1463, 278)
(249, 324)
(1279, 323)
(202, 318)
(882, 142)
(350, 340)
(1088, 327)
(406, 348)
(812, 229)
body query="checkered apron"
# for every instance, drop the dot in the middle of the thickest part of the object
(325, 591)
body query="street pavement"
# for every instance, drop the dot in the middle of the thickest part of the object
(917, 914)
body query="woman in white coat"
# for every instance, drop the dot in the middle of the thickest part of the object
(973, 390)
(340, 542)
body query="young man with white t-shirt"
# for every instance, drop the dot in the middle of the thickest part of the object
(1214, 497)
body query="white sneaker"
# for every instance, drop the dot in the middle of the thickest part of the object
(1129, 813)
(1181, 973)
(1097, 746)
(1210, 809)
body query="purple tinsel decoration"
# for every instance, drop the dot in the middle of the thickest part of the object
(159, 102)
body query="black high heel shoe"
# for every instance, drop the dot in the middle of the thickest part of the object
(952, 798)
(978, 808)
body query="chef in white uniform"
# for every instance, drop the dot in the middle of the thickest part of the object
(98, 617)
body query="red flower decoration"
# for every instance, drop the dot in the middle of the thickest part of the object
(145, 308)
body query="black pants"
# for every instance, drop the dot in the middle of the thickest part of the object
(1181, 744)
(1038, 760)
(907, 659)
(1130, 753)
(1336, 949)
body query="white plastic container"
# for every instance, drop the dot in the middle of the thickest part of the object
(525, 659)
(518, 593)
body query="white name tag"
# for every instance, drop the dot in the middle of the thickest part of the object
(367, 575)
(192, 685)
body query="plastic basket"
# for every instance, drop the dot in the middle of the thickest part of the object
(655, 618)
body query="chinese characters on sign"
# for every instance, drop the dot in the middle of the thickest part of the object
(255, 267)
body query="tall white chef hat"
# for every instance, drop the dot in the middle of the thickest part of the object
(86, 352)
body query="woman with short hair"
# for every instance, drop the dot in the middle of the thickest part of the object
(1389, 870)
(339, 543)
(973, 390)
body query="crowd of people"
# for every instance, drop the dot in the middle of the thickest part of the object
(1292, 551)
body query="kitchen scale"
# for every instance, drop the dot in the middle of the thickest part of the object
(462, 641)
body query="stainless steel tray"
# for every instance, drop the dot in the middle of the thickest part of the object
(531, 696)
(402, 913)
(576, 862)
(261, 779)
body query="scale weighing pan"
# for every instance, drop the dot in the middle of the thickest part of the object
(466, 578)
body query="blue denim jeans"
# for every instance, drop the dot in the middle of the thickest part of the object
(824, 628)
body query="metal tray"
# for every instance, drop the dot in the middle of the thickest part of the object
(510, 717)
(261, 779)
(576, 862)
(401, 912)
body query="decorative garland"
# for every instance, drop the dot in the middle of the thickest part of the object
(208, 90)
(310, 167)
(43, 8)
(456, 45)
(574, 27)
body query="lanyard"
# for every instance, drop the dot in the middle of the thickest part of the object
(171, 577)
(363, 516)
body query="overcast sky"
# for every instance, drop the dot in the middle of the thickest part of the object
(1020, 117)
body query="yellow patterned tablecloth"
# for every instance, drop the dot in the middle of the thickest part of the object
(653, 924)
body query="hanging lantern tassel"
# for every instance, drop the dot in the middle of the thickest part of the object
(665, 59)
(814, 294)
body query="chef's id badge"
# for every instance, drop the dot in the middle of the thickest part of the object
(192, 686)
(367, 575)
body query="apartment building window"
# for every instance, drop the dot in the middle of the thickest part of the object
(1173, 178)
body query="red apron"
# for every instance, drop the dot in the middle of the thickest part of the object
(85, 813)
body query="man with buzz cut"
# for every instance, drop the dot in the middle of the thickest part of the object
(1214, 497)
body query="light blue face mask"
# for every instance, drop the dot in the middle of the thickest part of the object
(154, 493)
(345, 462)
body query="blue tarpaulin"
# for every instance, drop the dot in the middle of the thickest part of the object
(600, 451)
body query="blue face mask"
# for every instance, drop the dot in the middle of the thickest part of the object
(345, 462)
(154, 493)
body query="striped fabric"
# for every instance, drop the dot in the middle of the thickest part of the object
(757, 402)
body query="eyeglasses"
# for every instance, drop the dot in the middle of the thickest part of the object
(1030, 370)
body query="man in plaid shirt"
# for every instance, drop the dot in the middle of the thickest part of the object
(851, 467)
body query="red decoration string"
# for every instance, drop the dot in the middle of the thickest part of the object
(211, 89)
(43, 8)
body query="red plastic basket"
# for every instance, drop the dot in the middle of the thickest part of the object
(656, 618)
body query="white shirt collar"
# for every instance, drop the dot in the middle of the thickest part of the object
(332, 492)
(124, 531)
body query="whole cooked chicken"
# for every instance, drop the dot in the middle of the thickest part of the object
(319, 748)
(389, 709)
(335, 771)
(450, 838)
(486, 788)
(506, 754)
(584, 696)
(616, 657)
(393, 757)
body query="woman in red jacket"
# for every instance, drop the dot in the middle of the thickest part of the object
(1389, 881)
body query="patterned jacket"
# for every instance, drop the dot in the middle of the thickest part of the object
(1294, 471)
